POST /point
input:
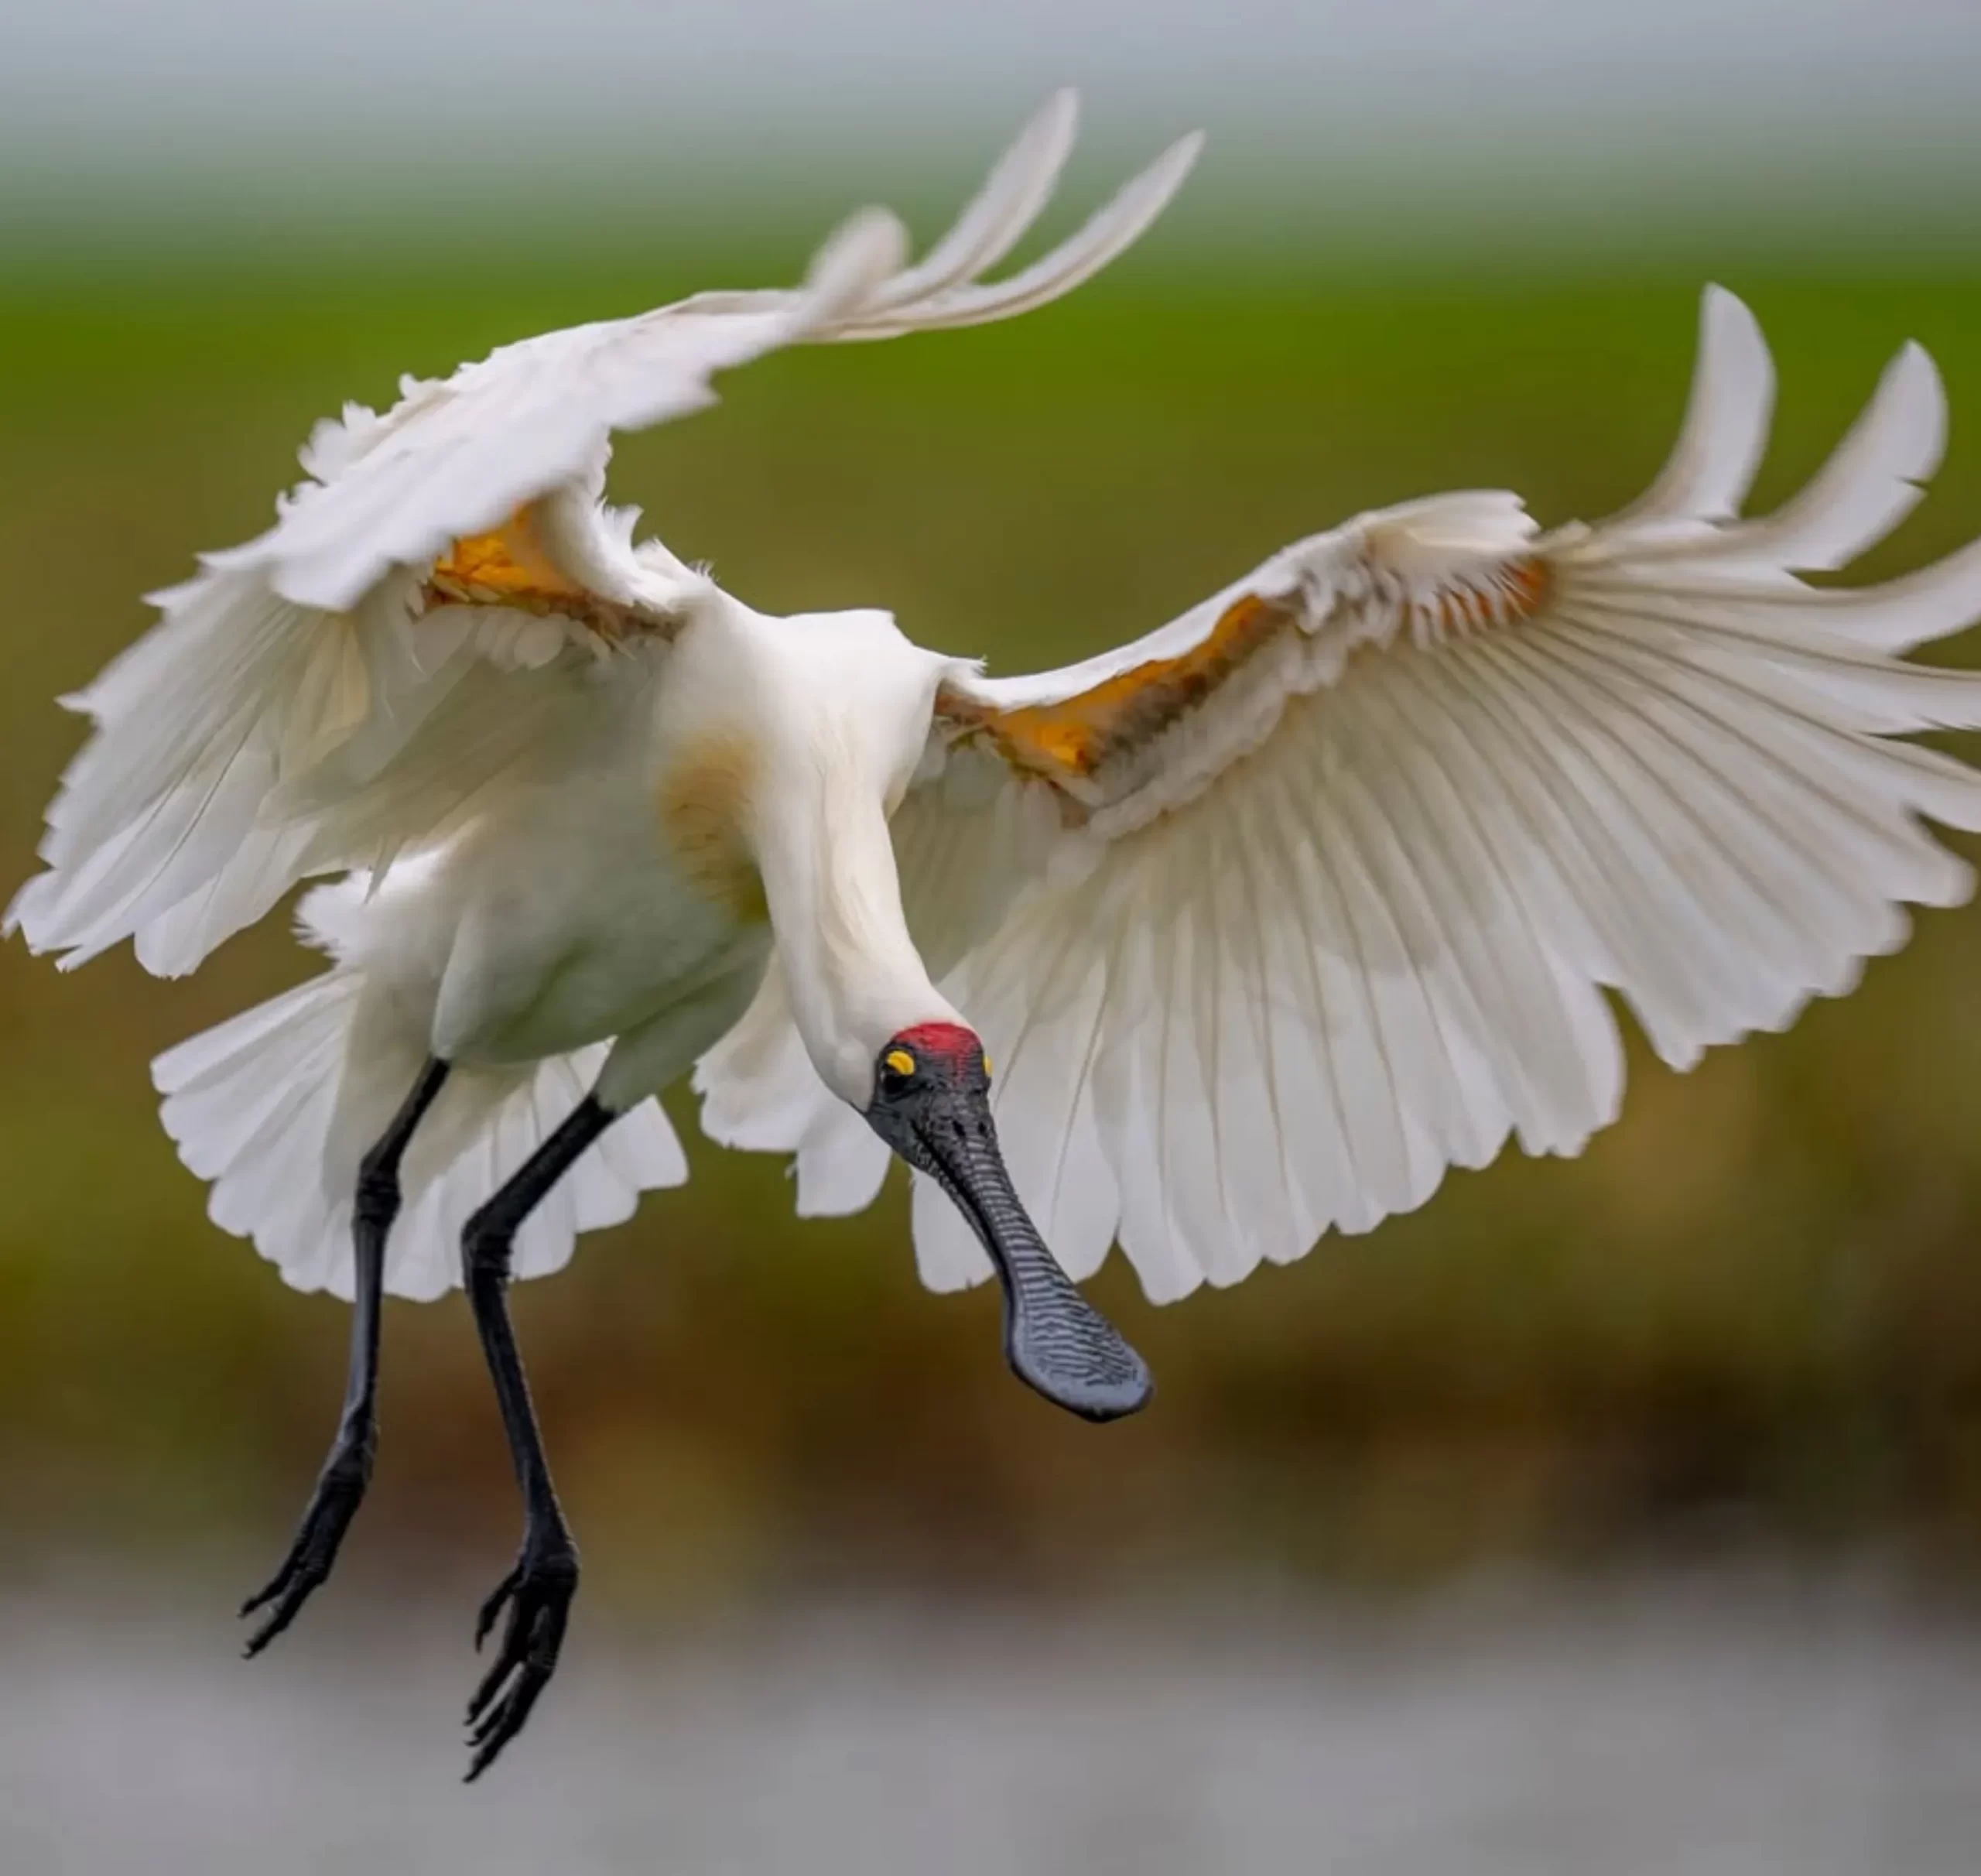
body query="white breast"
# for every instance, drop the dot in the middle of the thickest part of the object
(581, 910)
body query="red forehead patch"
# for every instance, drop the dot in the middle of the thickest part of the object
(942, 1042)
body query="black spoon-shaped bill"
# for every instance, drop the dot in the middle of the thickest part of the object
(932, 1105)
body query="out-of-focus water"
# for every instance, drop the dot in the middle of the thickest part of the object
(1715, 1727)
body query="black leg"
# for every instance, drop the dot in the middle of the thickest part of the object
(340, 1485)
(538, 1588)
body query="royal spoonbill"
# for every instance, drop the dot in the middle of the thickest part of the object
(1266, 919)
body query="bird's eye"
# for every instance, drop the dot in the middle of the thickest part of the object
(899, 1063)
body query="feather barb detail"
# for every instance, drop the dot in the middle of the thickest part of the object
(1512, 593)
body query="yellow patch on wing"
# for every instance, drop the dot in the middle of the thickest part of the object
(504, 566)
(509, 567)
(1077, 735)
(704, 801)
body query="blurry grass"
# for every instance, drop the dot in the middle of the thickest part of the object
(1758, 1299)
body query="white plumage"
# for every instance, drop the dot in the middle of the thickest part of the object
(1267, 918)
(255, 1104)
(1343, 918)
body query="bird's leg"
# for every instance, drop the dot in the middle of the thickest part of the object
(538, 1588)
(340, 1485)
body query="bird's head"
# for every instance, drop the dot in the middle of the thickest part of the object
(932, 1090)
(931, 1104)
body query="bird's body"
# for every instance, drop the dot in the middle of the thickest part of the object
(567, 919)
(1269, 917)
(624, 901)
(590, 909)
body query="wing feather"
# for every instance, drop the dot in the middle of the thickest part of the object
(1111, 230)
(1870, 483)
(1323, 885)
(294, 691)
(1010, 200)
(1724, 430)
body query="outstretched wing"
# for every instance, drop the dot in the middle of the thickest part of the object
(1271, 917)
(462, 530)
(457, 457)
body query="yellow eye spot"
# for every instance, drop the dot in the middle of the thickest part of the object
(986, 1062)
(900, 1061)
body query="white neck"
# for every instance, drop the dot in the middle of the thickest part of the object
(854, 976)
(833, 710)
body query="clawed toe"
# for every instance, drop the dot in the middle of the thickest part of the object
(340, 1490)
(288, 1590)
(537, 1593)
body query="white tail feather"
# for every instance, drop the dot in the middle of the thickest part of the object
(276, 1106)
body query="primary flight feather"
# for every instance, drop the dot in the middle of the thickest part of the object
(1267, 918)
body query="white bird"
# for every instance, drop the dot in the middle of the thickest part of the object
(1266, 918)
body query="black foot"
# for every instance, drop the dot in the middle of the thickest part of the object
(538, 1592)
(340, 1490)
(1058, 1343)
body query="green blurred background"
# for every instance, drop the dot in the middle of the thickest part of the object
(1758, 1298)
(1749, 1315)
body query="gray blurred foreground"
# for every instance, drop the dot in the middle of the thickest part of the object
(1714, 1727)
